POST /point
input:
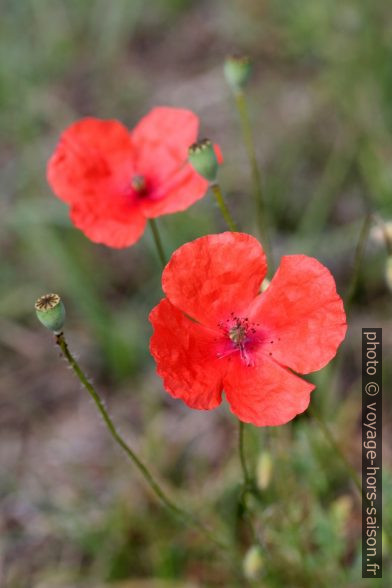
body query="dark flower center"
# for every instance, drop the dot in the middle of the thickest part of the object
(139, 184)
(240, 336)
(238, 333)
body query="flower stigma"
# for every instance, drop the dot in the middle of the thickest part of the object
(47, 302)
(238, 333)
(139, 184)
(240, 336)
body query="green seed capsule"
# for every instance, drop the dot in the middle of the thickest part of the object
(203, 159)
(51, 312)
(237, 70)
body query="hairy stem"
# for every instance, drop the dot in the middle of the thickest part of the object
(157, 240)
(216, 189)
(241, 447)
(258, 194)
(153, 484)
(359, 253)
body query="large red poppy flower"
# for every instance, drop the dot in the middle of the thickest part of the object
(216, 331)
(114, 179)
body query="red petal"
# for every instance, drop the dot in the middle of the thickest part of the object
(177, 193)
(107, 230)
(265, 394)
(182, 189)
(184, 353)
(302, 313)
(162, 139)
(92, 157)
(215, 275)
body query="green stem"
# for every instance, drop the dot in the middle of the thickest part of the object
(157, 241)
(155, 487)
(248, 483)
(216, 189)
(60, 340)
(258, 194)
(358, 258)
(241, 447)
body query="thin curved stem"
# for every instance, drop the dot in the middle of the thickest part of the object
(241, 447)
(216, 189)
(258, 193)
(60, 340)
(157, 240)
(155, 487)
(248, 483)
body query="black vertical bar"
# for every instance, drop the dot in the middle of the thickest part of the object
(372, 453)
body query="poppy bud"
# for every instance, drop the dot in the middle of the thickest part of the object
(51, 312)
(253, 563)
(264, 470)
(237, 70)
(202, 157)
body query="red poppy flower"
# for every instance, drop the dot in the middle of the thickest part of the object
(216, 331)
(114, 179)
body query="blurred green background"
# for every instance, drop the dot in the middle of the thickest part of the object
(73, 512)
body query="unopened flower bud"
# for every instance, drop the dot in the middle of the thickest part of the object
(202, 157)
(237, 70)
(264, 470)
(253, 563)
(51, 312)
